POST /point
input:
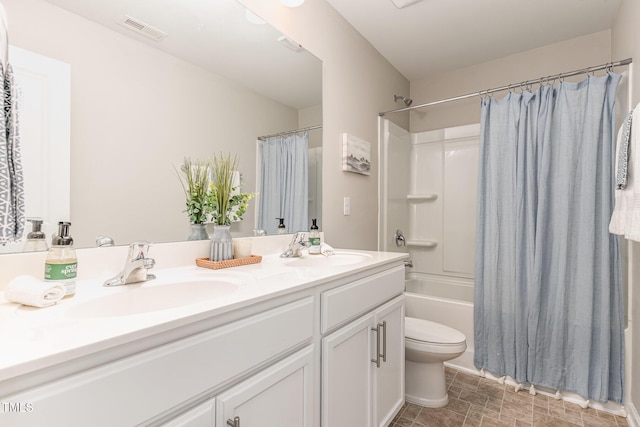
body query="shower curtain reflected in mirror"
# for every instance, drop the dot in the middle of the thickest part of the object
(283, 191)
(548, 292)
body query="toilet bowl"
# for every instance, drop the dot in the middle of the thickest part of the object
(427, 346)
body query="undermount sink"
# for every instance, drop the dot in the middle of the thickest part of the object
(337, 259)
(139, 298)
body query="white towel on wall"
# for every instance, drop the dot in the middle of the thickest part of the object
(625, 219)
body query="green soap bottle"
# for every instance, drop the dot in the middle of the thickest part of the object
(61, 265)
(314, 238)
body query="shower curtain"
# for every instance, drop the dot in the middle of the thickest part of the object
(12, 216)
(284, 184)
(548, 292)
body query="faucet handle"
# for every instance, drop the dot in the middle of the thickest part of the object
(139, 250)
(298, 237)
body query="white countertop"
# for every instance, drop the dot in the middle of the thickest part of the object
(98, 318)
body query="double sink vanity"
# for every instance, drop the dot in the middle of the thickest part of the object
(309, 341)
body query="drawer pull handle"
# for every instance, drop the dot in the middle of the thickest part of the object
(377, 359)
(384, 339)
(234, 422)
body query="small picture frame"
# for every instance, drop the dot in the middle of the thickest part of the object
(356, 155)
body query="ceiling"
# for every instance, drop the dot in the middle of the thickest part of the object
(439, 35)
(426, 37)
(215, 35)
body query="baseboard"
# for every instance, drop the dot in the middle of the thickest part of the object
(633, 419)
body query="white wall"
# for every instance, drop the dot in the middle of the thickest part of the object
(135, 113)
(312, 116)
(577, 53)
(625, 42)
(357, 84)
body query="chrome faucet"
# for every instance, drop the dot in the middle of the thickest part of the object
(136, 268)
(298, 242)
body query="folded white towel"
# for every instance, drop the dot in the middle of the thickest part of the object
(326, 250)
(29, 290)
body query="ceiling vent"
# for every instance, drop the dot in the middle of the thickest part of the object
(289, 44)
(142, 28)
(404, 3)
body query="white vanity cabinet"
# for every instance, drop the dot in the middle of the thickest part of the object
(363, 351)
(328, 351)
(281, 395)
(202, 415)
(146, 388)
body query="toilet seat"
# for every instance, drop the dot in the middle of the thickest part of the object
(432, 333)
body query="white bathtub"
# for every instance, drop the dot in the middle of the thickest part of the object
(447, 301)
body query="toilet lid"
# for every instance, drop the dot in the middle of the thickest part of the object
(432, 332)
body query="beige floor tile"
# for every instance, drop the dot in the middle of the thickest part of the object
(480, 402)
(440, 417)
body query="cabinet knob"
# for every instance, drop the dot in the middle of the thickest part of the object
(234, 422)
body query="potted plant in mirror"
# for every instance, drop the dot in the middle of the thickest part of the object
(194, 177)
(226, 205)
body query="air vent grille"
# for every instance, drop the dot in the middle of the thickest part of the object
(142, 28)
(289, 43)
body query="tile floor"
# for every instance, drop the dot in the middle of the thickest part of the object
(479, 402)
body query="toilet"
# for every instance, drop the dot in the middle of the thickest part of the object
(427, 345)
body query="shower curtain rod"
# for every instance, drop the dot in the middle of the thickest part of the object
(289, 132)
(516, 85)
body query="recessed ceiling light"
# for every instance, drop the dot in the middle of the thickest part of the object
(404, 3)
(291, 3)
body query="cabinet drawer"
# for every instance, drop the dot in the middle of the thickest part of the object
(137, 388)
(350, 301)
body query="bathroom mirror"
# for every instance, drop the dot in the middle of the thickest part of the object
(153, 82)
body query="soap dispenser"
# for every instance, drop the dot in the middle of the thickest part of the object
(282, 229)
(61, 265)
(35, 239)
(314, 238)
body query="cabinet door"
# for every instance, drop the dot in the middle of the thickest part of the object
(281, 395)
(200, 416)
(346, 375)
(389, 377)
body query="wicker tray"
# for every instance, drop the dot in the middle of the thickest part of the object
(216, 265)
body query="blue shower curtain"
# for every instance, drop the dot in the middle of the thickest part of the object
(284, 188)
(548, 290)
